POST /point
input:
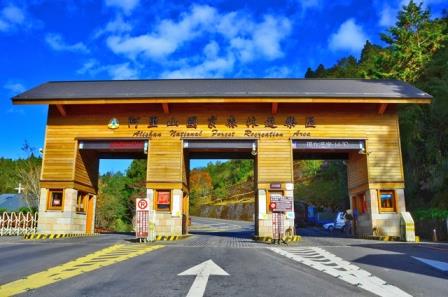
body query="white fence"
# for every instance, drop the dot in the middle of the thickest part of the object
(17, 223)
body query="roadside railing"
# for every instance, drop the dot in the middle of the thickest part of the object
(18, 223)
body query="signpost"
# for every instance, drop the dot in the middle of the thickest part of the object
(279, 205)
(142, 218)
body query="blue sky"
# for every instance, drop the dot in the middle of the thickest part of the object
(128, 39)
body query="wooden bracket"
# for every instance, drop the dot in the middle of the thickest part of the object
(166, 108)
(382, 108)
(61, 109)
(274, 108)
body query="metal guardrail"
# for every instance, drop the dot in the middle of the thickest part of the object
(17, 223)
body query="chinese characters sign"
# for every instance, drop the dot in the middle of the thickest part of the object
(152, 126)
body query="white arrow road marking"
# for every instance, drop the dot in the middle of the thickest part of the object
(329, 263)
(202, 272)
(443, 266)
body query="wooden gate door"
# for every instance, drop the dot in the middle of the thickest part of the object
(89, 216)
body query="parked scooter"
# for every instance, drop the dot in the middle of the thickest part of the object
(338, 224)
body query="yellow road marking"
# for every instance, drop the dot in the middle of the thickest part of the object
(94, 261)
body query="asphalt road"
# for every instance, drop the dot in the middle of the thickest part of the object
(352, 267)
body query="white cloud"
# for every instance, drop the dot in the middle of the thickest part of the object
(122, 71)
(245, 38)
(278, 72)
(387, 16)
(267, 36)
(388, 10)
(11, 16)
(116, 71)
(310, 4)
(57, 43)
(126, 5)
(349, 36)
(16, 110)
(90, 67)
(211, 50)
(118, 25)
(14, 87)
(211, 65)
(167, 37)
(214, 67)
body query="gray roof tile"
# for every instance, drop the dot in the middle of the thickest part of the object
(225, 88)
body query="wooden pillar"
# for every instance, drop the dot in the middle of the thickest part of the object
(274, 174)
(165, 177)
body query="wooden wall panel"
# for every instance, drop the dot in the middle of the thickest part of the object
(165, 161)
(274, 160)
(357, 174)
(86, 169)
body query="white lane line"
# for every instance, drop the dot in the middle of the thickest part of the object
(443, 266)
(319, 259)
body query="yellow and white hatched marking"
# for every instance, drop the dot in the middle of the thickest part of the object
(94, 261)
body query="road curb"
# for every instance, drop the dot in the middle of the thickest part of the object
(171, 237)
(381, 238)
(268, 239)
(56, 236)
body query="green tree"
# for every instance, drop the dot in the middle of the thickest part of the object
(413, 41)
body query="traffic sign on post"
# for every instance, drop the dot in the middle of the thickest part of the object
(142, 204)
(142, 217)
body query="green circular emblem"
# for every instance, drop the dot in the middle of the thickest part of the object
(113, 124)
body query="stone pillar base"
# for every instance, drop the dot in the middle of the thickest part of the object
(65, 221)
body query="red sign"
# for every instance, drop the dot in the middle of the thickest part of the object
(164, 197)
(142, 204)
(127, 144)
(272, 205)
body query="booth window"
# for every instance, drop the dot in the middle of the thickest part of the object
(163, 200)
(81, 202)
(387, 201)
(55, 199)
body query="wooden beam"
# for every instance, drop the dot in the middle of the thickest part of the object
(166, 108)
(382, 108)
(61, 110)
(274, 107)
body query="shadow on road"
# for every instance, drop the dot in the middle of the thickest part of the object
(320, 232)
(401, 262)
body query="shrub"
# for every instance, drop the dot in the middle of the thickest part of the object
(25, 209)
